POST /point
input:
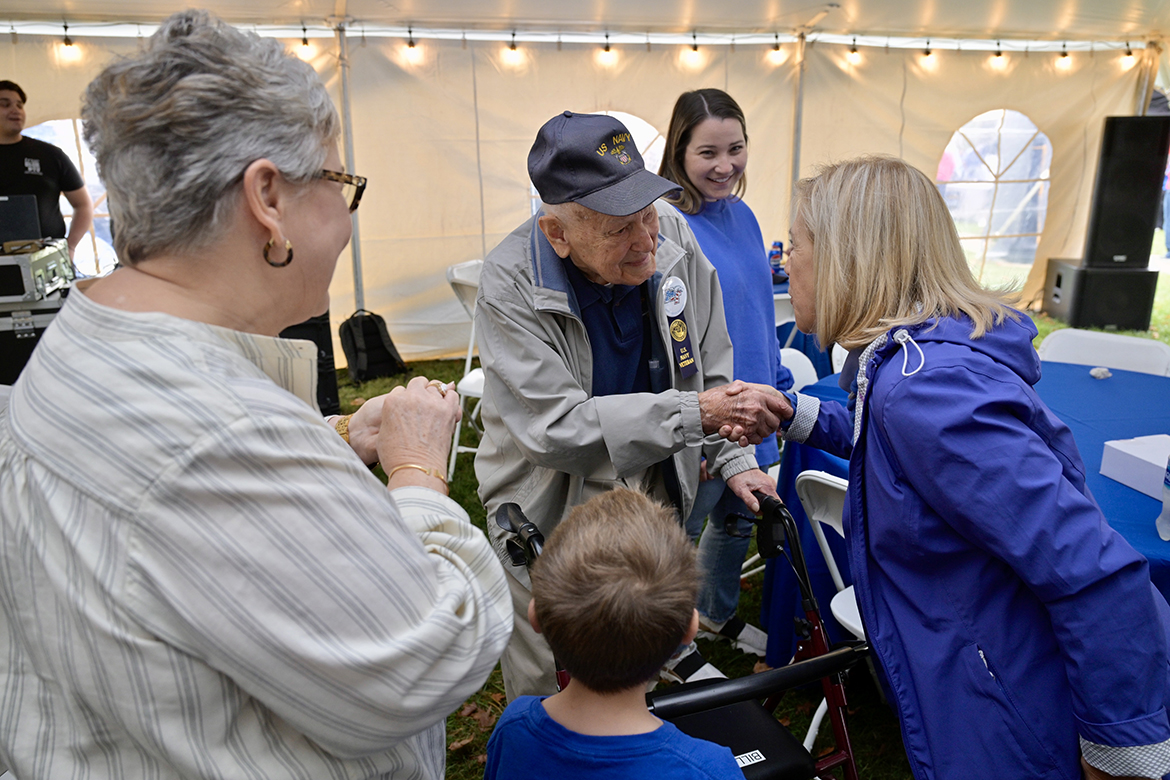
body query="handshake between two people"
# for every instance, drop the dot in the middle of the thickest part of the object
(745, 412)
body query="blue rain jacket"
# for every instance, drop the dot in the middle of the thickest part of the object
(1007, 616)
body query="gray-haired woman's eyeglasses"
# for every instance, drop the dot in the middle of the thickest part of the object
(352, 186)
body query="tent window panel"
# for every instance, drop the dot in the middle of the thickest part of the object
(1018, 208)
(1001, 275)
(994, 176)
(96, 255)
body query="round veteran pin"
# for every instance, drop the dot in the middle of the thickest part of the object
(674, 296)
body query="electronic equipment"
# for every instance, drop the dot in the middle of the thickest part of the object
(1120, 298)
(21, 326)
(1127, 193)
(32, 276)
(19, 218)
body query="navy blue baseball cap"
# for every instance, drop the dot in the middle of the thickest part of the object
(591, 159)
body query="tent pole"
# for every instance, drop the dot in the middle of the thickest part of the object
(355, 244)
(1153, 53)
(797, 109)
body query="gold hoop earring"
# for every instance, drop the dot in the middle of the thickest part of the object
(288, 247)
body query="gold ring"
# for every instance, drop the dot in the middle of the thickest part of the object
(440, 386)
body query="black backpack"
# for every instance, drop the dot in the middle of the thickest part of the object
(368, 348)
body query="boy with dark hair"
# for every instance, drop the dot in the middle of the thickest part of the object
(614, 594)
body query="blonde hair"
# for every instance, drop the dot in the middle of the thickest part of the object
(615, 589)
(886, 253)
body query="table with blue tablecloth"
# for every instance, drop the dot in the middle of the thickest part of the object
(1122, 406)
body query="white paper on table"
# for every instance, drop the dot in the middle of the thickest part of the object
(1138, 463)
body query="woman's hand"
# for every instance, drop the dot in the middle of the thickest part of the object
(364, 425)
(418, 422)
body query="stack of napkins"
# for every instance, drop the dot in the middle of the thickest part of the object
(1139, 463)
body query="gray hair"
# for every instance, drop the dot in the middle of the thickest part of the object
(174, 127)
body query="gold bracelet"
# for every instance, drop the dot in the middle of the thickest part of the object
(428, 471)
(342, 427)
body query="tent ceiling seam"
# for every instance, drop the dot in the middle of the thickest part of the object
(326, 29)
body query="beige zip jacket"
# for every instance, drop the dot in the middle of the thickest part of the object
(548, 444)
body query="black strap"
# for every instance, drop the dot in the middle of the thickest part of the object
(359, 360)
(733, 627)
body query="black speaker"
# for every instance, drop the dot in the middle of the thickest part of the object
(316, 329)
(1128, 192)
(1120, 298)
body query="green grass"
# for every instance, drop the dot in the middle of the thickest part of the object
(872, 725)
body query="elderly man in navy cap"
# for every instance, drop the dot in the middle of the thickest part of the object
(600, 326)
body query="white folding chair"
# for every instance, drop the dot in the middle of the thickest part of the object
(1090, 348)
(803, 371)
(464, 280)
(782, 303)
(823, 497)
(839, 355)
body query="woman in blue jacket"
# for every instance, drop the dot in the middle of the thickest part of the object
(1019, 635)
(706, 153)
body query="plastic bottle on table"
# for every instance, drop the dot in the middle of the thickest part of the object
(1164, 518)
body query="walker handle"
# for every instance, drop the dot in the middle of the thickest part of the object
(529, 541)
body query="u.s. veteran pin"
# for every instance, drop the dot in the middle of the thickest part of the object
(674, 302)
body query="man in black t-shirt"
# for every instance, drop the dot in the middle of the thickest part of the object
(32, 167)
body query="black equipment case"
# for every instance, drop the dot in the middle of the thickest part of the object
(21, 326)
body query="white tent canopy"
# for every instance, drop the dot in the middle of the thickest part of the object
(442, 130)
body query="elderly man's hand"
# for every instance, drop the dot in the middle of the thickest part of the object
(743, 483)
(743, 412)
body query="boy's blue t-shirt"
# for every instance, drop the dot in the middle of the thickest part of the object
(528, 743)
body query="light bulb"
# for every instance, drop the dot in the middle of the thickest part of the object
(854, 56)
(511, 55)
(776, 55)
(606, 57)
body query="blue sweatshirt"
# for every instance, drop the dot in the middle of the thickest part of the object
(731, 239)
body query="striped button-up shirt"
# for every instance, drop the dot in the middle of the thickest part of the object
(200, 579)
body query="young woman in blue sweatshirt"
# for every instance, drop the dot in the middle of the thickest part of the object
(706, 153)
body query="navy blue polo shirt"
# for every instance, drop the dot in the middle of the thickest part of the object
(613, 317)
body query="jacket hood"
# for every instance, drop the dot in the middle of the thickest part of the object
(1009, 343)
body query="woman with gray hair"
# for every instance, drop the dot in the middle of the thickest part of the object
(1019, 634)
(200, 577)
